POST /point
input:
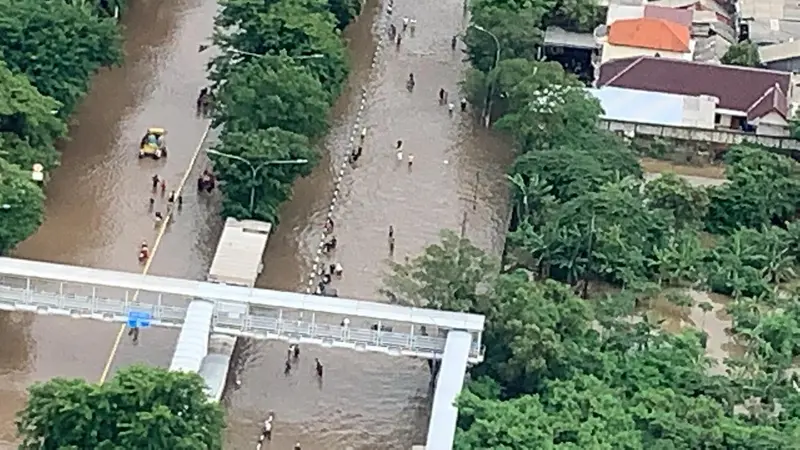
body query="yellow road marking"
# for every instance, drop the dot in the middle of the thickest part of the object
(161, 232)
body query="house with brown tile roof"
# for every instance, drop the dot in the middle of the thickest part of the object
(748, 99)
(647, 36)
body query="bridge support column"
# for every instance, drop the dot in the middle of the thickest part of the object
(449, 382)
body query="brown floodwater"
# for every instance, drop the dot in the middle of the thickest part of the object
(97, 200)
(97, 216)
(371, 401)
(715, 322)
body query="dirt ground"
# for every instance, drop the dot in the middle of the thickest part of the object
(650, 165)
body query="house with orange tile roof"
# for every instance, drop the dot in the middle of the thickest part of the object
(647, 36)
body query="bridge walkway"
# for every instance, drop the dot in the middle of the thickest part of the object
(78, 292)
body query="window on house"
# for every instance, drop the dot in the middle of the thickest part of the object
(717, 118)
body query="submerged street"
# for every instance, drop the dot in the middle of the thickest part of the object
(97, 216)
(370, 401)
(97, 201)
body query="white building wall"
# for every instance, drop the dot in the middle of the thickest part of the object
(698, 112)
(773, 124)
(619, 51)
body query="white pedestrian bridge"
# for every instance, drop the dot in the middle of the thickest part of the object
(79, 292)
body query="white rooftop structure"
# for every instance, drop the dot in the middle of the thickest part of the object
(770, 21)
(240, 250)
(192, 344)
(656, 108)
(558, 37)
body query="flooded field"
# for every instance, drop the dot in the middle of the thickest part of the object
(705, 311)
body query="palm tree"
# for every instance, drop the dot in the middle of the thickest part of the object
(87, 6)
(532, 196)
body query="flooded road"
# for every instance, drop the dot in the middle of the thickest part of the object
(371, 401)
(97, 200)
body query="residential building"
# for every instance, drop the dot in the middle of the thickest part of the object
(713, 25)
(647, 36)
(620, 12)
(773, 25)
(747, 99)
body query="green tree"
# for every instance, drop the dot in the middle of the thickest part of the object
(582, 16)
(272, 92)
(448, 275)
(680, 261)
(575, 170)
(273, 183)
(508, 77)
(141, 407)
(344, 11)
(21, 205)
(743, 53)
(58, 46)
(747, 261)
(28, 127)
(609, 235)
(686, 203)
(534, 332)
(517, 30)
(761, 191)
(301, 29)
(488, 424)
(541, 114)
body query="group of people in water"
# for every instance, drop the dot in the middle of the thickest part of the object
(292, 360)
(205, 183)
(333, 269)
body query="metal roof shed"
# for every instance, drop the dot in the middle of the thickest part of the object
(237, 260)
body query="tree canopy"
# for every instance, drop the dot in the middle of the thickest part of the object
(743, 53)
(141, 407)
(273, 182)
(21, 205)
(574, 357)
(519, 28)
(282, 66)
(57, 46)
(49, 51)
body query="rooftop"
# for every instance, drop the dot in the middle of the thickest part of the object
(630, 105)
(771, 21)
(652, 33)
(675, 15)
(737, 88)
(239, 252)
(621, 12)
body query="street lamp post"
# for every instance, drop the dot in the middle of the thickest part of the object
(488, 103)
(204, 47)
(257, 168)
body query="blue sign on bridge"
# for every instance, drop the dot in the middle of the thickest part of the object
(139, 319)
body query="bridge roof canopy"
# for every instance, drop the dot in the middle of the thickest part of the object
(192, 344)
(242, 295)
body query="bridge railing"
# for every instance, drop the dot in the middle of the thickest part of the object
(258, 323)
